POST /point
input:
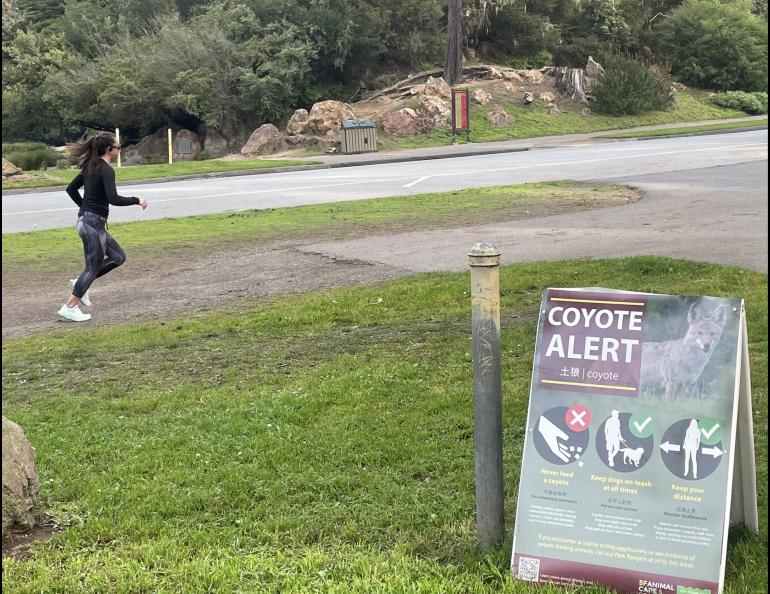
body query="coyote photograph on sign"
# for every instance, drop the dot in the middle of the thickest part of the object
(674, 368)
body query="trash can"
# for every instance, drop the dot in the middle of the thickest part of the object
(358, 136)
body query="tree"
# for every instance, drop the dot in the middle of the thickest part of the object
(719, 46)
(453, 73)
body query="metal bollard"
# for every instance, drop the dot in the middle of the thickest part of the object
(487, 398)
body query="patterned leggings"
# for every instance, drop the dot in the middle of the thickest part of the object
(102, 252)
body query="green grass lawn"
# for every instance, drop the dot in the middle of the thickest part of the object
(322, 443)
(688, 130)
(57, 177)
(535, 121)
(38, 250)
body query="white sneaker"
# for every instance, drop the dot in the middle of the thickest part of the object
(73, 314)
(85, 299)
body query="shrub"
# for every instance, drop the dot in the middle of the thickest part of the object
(753, 103)
(717, 46)
(537, 60)
(37, 158)
(629, 87)
(13, 147)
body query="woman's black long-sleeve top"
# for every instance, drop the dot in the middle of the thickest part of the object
(100, 191)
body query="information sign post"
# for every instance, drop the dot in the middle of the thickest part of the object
(639, 448)
(461, 120)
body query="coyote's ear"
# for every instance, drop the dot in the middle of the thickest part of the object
(694, 314)
(719, 315)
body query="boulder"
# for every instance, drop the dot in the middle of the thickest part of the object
(9, 168)
(214, 144)
(21, 177)
(326, 117)
(437, 87)
(298, 122)
(409, 111)
(533, 77)
(498, 117)
(434, 109)
(265, 140)
(585, 112)
(302, 141)
(150, 149)
(417, 89)
(529, 98)
(402, 123)
(593, 68)
(481, 97)
(553, 110)
(512, 75)
(494, 73)
(187, 140)
(510, 87)
(548, 97)
(20, 482)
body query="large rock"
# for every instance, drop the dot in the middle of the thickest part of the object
(593, 68)
(498, 117)
(548, 97)
(298, 122)
(481, 97)
(533, 77)
(215, 144)
(265, 140)
(512, 75)
(20, 482)
(325, 118)
(9, 168)
(150, 149)
(435, 109)
(437, 87)
(188, 140)
(404, 122)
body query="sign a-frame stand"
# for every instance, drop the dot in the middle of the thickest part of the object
(743, 508)
(652, 512)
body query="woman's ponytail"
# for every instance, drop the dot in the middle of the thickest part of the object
(87, 154)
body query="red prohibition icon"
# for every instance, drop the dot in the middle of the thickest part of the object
(578, 418)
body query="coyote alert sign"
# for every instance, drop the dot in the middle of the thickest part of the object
(639, 426)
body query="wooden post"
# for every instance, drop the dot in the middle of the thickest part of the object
(117, 141)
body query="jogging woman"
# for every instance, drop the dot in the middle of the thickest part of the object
(102, 252)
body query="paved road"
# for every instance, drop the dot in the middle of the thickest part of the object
(604, 161)
(717, 214)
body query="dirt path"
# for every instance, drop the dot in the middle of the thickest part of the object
(172, 285)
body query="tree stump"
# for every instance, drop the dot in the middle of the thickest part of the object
(571, 82)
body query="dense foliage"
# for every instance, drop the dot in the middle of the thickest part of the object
(714, 45)
(629, 87)
(753, 103)
(234, 64)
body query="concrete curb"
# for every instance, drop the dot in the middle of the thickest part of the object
(382, 160)
(704, 133)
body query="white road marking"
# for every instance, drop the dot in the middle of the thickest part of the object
(415, 182)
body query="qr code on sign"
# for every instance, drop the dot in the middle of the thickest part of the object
(529, 569)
